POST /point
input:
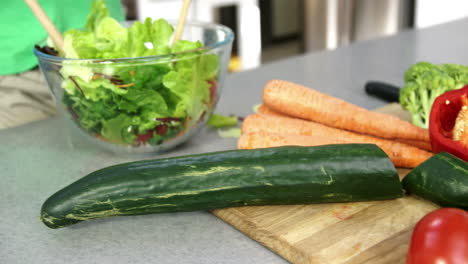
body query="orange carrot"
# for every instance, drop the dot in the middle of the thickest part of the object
(416, 143)
(263, 139)
(263, 109)
(299, 101)
(401, 154)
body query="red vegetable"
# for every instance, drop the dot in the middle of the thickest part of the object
(213, 90)
(448, 123)
(141, 139)
(440, 237)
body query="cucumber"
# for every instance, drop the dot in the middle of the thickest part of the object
(270, 176)
(442, 179)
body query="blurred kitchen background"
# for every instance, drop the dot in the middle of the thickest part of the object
(268, 30)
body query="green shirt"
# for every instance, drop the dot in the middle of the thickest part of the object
(20, 30)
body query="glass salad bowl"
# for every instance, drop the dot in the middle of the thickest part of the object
(141, 104)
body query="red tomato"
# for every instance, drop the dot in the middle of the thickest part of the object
(440, 237)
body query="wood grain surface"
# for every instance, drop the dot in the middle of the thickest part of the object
(336, 233)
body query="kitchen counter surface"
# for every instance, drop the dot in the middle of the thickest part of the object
(39, 158)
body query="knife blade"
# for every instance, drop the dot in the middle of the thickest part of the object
(385, 91)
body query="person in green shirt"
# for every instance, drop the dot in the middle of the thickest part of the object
(24, 95)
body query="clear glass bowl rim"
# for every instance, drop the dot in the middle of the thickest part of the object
(229, 37)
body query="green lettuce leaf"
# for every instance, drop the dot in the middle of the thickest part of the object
(111, 39)
(190, 88)
(220, 121)
(94, 90)
(120, 102)
(138, 35)
(120, 129)
(73, 44)
(81, 70)
(209, 66)
(98, 12)
(161, 32)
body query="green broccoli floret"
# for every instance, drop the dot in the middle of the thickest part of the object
(424, 82)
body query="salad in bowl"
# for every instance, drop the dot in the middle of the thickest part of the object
(129, 87)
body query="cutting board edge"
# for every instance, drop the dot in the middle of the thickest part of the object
(253, 231)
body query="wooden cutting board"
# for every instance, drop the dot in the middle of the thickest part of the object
(340, 233)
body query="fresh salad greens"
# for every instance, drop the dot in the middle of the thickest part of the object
(135, 102)
(221, 121)
(424, 82)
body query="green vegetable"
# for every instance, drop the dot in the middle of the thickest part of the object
(98, 12)
(442, 179)
(234, 132)
(128, 102)
(283, 175)
(424, 82)
(219, 121)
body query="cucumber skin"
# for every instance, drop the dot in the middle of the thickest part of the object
(273, 176)
(442, 179)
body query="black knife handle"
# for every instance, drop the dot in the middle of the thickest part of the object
(385, 91)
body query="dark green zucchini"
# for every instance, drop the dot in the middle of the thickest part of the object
(442, 179)
(282, 175)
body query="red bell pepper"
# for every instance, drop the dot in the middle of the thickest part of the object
(448, 123)
(440, 237)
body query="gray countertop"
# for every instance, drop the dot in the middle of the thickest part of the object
(38, 159)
